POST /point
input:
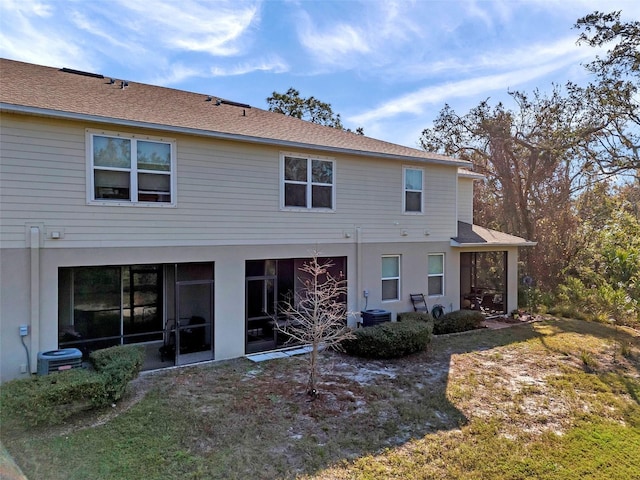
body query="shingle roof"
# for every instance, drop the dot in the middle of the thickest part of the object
(475, 235)
(50, 91)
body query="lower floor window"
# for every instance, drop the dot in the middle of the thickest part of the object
(271, 284)
(110, 305)
(157, 304)
(436, 274)
(391, 277)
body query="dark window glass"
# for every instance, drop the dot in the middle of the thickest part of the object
(413, 202)
(322, 171)
(389, 289)
(295, 195)
(295, 169)
(321, 197)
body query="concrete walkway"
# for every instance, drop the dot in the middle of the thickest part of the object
(500, 322)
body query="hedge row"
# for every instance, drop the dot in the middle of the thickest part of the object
(118, 366)
(390, 339)
(458, 321)
(52, 399)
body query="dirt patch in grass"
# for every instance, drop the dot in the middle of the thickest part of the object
(490, 393)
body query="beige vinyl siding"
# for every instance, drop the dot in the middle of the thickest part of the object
(228, 193)
(465, 200)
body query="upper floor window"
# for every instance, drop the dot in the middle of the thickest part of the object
(391, 277)
(130, 169)
(308, 182)
(413, 187)
(436, 274)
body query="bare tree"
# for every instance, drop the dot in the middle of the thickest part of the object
(317, 314)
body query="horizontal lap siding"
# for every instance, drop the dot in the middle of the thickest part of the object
(227, 193)
(465, 200)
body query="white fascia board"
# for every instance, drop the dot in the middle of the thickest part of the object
(525, 243)
(472, 175)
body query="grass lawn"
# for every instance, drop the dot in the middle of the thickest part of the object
(557, 399)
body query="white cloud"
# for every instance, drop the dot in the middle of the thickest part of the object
(177, 73)
(275, 65)
(82, 21)
(215, 28)
(331, 45)
(415, 102)
(364, 35)
(27, 34)
(562, 50)
(27, 7)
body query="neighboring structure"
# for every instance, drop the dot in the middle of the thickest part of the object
(134, 213)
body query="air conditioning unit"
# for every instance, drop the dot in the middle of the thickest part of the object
(59, 360)
(374, 317)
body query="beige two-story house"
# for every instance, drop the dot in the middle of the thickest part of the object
(130, 213)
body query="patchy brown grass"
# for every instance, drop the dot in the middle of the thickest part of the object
(513, 403)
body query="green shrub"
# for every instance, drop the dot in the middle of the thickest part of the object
(458, 321)
(390, 339)
(118, 366)
(415, 317)
(569, 311)
(52, 399)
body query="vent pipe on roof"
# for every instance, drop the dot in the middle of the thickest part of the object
(220, 101)
(80, 72)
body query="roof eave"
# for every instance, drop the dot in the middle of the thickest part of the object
(471, 175)
(12, 108)
(496, 244)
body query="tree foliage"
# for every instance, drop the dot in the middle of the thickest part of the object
(539, 155)
(603, 273)
(614, 93)
(528, 156)
(310, 109)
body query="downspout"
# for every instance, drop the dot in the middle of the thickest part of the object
(358, 268)
(34, 292)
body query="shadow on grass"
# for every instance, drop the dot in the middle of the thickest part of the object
(238, 420)
(621, 354)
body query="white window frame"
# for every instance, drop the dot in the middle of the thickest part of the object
(434, 275)
(398, 278)
(133, 170)
(405, 190)
(309, 183)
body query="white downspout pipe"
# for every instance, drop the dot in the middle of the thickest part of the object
(34, 294)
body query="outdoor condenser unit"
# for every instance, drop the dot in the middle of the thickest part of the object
(59, 360)
(374, 317)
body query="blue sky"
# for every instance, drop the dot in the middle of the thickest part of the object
(387, 66)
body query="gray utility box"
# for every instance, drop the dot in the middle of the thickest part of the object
(59, 360)
(374, 317)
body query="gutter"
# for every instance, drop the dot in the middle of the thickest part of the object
(526, 243)
(45, 112)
